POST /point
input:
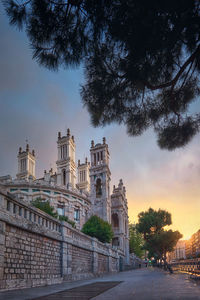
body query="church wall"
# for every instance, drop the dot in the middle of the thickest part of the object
(36, 249)
(102, 263)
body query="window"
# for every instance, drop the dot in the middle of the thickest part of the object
(60, 211)
(115, 241)
(64, 177)
(20, 211)
(46, 191)
(101, 155)
(23, 165)
(95, 159)
(98, 188)
(14, 208)
(115, 220)
(8, 205)
(76, 214)
(84, 175)
(63, 151)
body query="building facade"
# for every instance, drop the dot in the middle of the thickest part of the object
(77, 192)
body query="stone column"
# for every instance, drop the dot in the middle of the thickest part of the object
(110, 267)
(64, 259)
(95, 257)
(66, 254)
(69, 261)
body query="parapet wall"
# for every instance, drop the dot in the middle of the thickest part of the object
(36, 249)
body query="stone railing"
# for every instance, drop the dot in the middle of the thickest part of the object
(37, 249)
(20, 213)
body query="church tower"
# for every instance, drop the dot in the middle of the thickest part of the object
(119, 216)
(83, 176)
(66, 167)
(26, 164)
(100, 181)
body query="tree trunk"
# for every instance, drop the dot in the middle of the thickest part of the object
(166, 265)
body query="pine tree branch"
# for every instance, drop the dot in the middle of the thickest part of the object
(176, 78)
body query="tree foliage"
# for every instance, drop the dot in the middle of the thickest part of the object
(96, 227)
(158, 241)
(47, 208)
(66, 219)
(141, 58)
(136, 241)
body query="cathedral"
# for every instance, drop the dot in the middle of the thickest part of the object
(76, 191)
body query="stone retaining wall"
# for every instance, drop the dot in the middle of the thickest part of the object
(36, 249)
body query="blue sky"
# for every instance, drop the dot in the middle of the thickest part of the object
(35, 104)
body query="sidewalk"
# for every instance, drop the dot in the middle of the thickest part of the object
(147, 284)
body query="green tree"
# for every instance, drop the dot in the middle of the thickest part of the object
(45, 206)
(141, 58)
(96, 227)
(136, 241)
(158, 241)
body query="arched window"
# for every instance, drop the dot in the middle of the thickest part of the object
(98, 188)
(115, 220)
(115, 241)
(64, 177)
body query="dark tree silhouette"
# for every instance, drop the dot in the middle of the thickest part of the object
(141, 58)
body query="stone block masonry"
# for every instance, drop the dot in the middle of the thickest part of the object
(36, 249)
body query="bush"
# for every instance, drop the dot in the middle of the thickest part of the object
(96, 227)
(66, 219)
(45, 206)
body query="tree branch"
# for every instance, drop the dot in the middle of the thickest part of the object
(175, 79)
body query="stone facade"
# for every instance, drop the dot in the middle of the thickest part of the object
(77, 199)
(119, 216)
(37, 249)
(100, 181)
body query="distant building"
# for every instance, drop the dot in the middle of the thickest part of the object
(179, 251)
(76, 192)
(193, 245)
(186, 249)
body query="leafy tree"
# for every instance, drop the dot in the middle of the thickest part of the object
(141, 58)
(136, 241)
(45, 206)
(158, 241)
(96, 227)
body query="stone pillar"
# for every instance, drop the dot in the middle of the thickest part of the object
(69, 261)
(64, 259)
(66, 255)
(95, 257)
(110, 267)
(2, 250)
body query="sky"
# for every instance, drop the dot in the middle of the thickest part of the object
(36, 103)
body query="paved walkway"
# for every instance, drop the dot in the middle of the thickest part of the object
(147, 284)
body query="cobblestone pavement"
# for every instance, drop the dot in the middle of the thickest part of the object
(142, 284)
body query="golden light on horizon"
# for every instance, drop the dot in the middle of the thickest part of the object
(185, 218)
